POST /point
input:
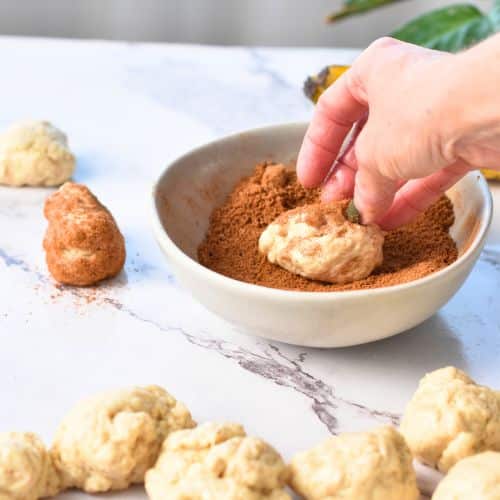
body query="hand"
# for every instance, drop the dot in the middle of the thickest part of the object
(422, 120)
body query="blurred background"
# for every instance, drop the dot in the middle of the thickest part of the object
(221, 22)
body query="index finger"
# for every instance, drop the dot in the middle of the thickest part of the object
(336, 112)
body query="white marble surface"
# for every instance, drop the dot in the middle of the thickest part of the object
(128, 109)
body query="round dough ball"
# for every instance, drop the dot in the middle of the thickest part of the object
(374, 465)
(318, 242)
(26, 469)
(83, 244)
(109, 441)
(450, 417)
(217, 462)
(476, 477)
(35, 153)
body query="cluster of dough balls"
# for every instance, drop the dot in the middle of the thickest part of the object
(318, 242)
(451, 423)
(105, 443)
(83, 244)
(35, 153)
(144, 435)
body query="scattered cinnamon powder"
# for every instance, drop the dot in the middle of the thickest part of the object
(231, 244)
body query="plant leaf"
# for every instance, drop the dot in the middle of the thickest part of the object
(450, 28)
(351, 7)
(352, 214)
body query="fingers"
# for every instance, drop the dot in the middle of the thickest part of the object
(373, 193)
(336, 112)
(340, 185)
(417, 195)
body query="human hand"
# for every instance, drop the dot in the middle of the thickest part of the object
(422, 119)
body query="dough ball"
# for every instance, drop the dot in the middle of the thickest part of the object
(450, 417)
(83, 244)
(476, 477)
(26, 469)
(374, 465)
(35, 153)
(318, 242)
(217, 462)
(109, 441)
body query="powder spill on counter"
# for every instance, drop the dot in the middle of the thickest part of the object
(231, 244)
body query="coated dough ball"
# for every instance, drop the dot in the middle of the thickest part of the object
(318, 242)
(83, 244)
(450, 417)
(217, 462)
(35, 153)
(374, 465)
(26, 469)
(109, 441)
(476, 477)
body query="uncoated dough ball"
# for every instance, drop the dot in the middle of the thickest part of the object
(318, 242)
(474, 478)
(35, 153)
(374, 465)
(217, 462)
(450, 417)
(109, 441)
(83, 244)
(26, 469)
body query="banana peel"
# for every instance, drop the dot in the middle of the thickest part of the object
(315, 85)
(492, 175)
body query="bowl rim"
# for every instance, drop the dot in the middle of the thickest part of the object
(173, 251)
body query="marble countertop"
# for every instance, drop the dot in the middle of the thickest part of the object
(128, 109)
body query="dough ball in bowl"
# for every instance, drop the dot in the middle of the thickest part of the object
(318, 242)
(450, 417)
(217, 461)
(26, 469)
(374, 465)
(83, 244)
(35, 153)
(109, 441)
(476, 477)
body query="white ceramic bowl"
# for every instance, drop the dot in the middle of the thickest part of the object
(193, 185)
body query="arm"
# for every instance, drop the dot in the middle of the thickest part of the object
(423, 120)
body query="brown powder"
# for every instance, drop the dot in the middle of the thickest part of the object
(231, 244)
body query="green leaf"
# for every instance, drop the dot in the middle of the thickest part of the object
(351, 7)
(450, 28)
(352, 214)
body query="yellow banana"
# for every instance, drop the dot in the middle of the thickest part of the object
(315, 85)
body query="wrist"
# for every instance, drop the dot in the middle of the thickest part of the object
(469, 101)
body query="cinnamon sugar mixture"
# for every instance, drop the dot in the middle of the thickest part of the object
(231, 244)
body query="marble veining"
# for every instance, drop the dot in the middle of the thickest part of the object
(271, 363)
